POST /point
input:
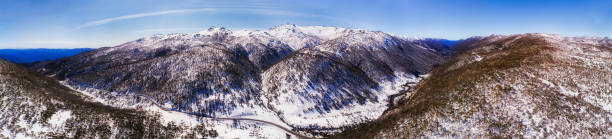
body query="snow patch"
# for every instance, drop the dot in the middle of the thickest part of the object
(566, 92)
(59, 118)
(477, 57)
(21, 136)
(5, 132)
(248, 130)
(22, 122)
(167, 117)
(562, 89)
(96, 99)
(38, 128)
(547, 82)
(258, 113)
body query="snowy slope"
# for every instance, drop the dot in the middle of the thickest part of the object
(342, 81)
(224, 73)
(34, 106)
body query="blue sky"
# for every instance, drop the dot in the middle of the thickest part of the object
(97, 23)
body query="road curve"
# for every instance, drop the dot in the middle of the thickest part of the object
(224, 118)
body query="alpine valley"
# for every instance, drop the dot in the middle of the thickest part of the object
(315, 82)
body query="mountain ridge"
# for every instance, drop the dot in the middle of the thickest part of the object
(526, 85)
(40, 107)
(222, 72)
(364, 84)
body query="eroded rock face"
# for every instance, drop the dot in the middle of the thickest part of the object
(528, 85)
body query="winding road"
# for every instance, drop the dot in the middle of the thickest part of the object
(225, 118)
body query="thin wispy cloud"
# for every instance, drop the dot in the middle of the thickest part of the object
(132, 16)
(252, 10)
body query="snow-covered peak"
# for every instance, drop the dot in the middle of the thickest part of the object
(368, 38)
(410, 38)
(323, 32)
(214, 30)
(161, 36)
(285, 26)
(293, 36)
(245, 32)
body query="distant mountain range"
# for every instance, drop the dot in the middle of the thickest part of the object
(325, 82)
(38, 54)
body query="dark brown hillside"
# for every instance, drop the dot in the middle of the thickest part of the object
(531, 85)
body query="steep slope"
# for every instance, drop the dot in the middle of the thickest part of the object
(36, 106)
(529, 85)
(345, 80)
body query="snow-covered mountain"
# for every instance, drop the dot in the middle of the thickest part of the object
(345, 80)
(35, 106)
(309, 77)
(525, 86)
(316, 81)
